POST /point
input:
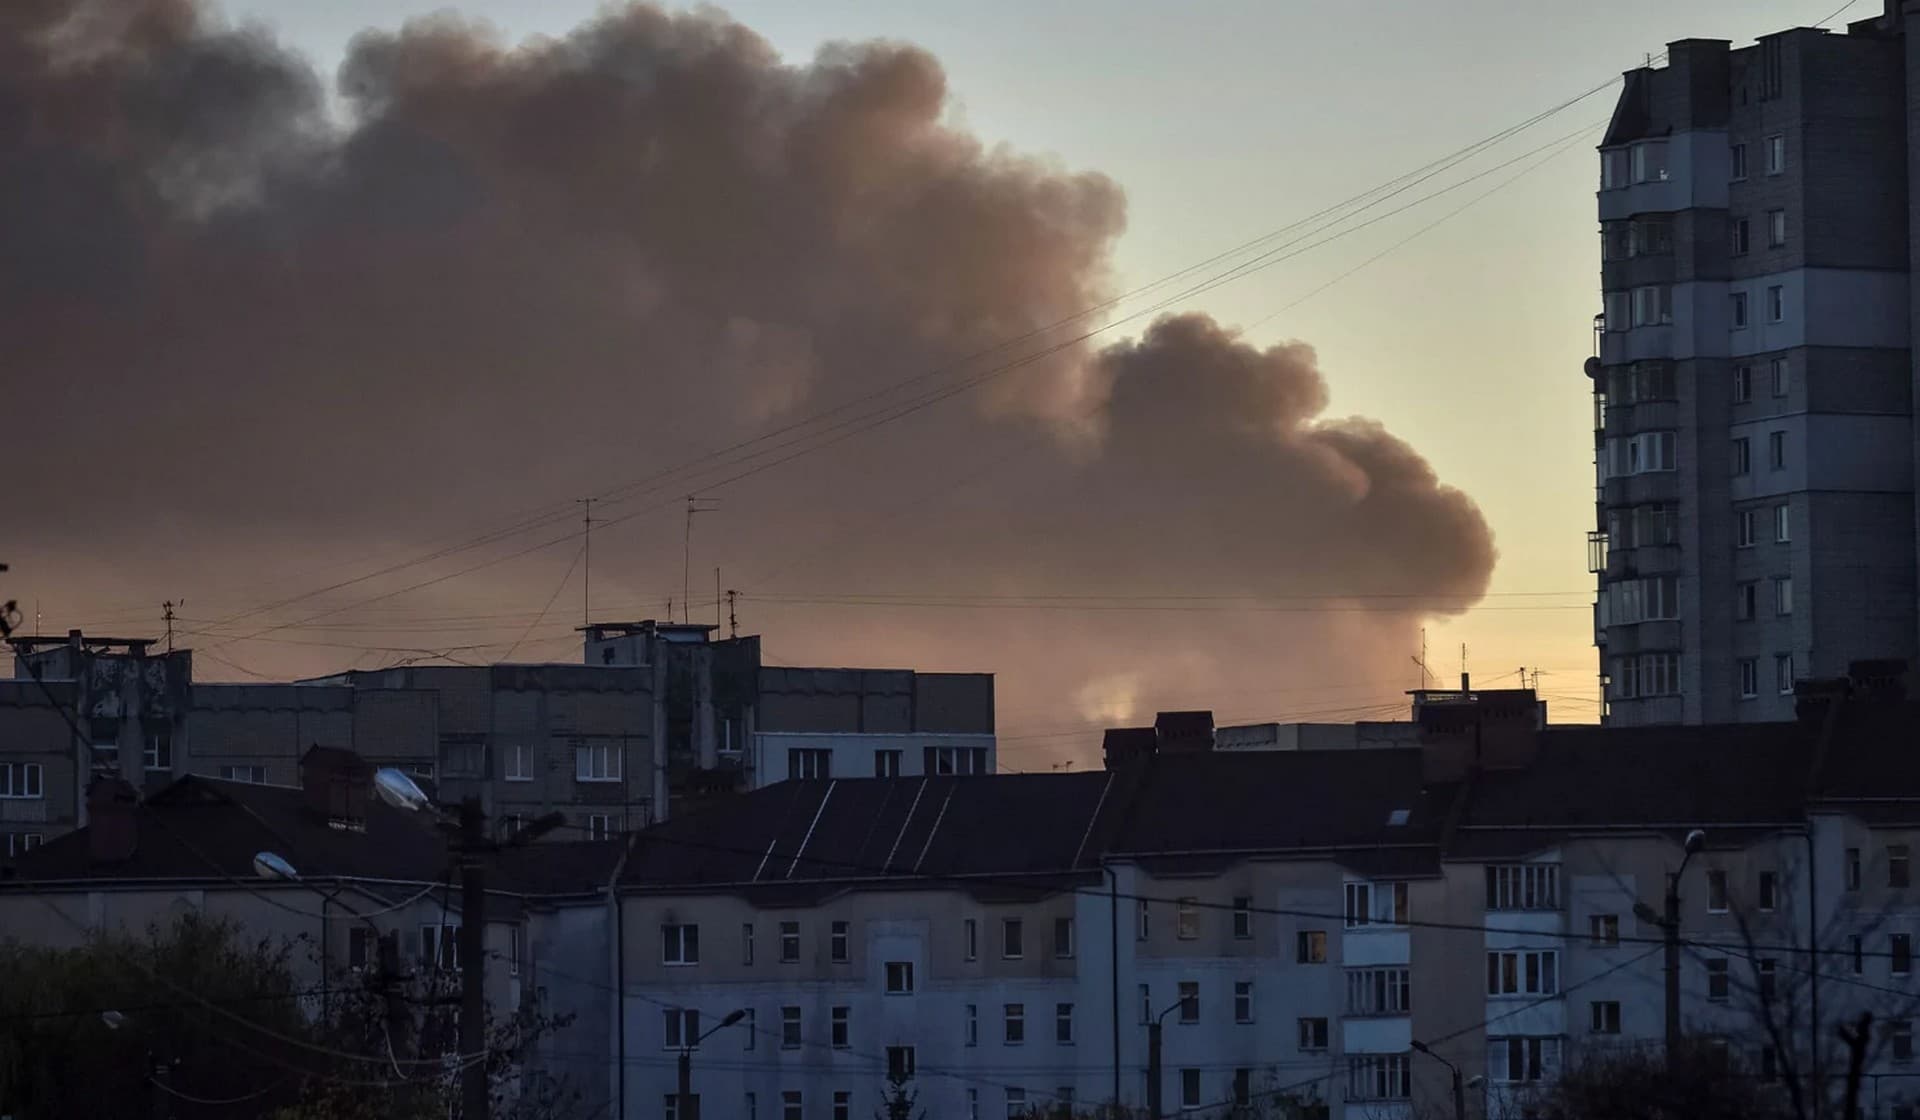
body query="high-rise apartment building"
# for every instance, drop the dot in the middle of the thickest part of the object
(1753, 382)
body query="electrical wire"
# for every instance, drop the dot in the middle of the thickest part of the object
(551, 599)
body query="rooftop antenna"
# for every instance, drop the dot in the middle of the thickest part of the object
(1422, 659)
(733, 620)
(694, 505)
(586, 557)
(166, 612)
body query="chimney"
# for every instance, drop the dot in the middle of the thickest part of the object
(111, 831)
(1498, 730)
(338, 784)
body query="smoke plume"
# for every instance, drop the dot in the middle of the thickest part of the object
(257, 343)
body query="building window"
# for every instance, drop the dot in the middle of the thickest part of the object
(1737, 161)
(440, 947)
(1649, 158)
(1613, 169)
(1146, 1003)
(1379, 991)
(360, 948)
(1605, 1016)
(679, 944)
(899, 978)
(901, 1063)
(1769, 890)
(1716, 891)
(1776, 303)
(1618, 315)
(746, 943)
(970, 939)
(1852, 871)
(790, 1105)
(1186, 919)
(837, 1026)
(1379, 1077)
(518, 764)
(27, 780)
(1243, 1001)
(1776, 450)
(955, 760)
(789, 942)
(842, 1105)
(1746, 598)
(973, 1104)
(1242, 1087)
(1900, 1039)
(1063, 1023)
(1525, 886)
(1063, 938)
(807, 763)
(1652, 305)
(1189, 1088)
(1523, 1060)
(1311, 946)
(1650, 235)
(1783, 673)
(1143, 924)
(1737, 310)
(1313, 1034)
(1242, 918)
(602, 826)
(1014, 1024)
(1782, 524)
(1898, 864)
(1749, 670)
(1742, 455)
(837, 942)
(1856, 948)
(1523, 972)
(1776, 154)
(1776, 228)
(1768, 970)
(886, 764)
(1359, 904)
(1742, 384)
(682, 1028)
(973, 1024)
(1605, 929)
(597, 762)
(1189, 1001)
(1783, 595)
(1717, 979)
(1741, 238)
(159, 751)
(1743, 534)
(751, 1033)
(1011, 937)
(789, 1028)
(1900, 953)
(1016, 1103)
(252, 775)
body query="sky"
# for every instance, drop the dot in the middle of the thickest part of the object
(1160, 137)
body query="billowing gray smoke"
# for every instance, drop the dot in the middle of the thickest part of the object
(247, 342)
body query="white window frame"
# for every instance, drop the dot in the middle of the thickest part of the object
(1743, 534)
(1718, 893)
(789, 939)
(1065, 939)
(1530, 886)
(1540, 1059)
(1742, 384)
(1603, 931)
(887, 762)
(1737, 316)
(1783, 673)
(809, 763)
(1379, 1077)
(1736, 162)
(839, 947)
(150, 754)
(1013, 1024)
(439, 946)
(1776, 228)
(1749, 678)
(680, 1028)
(679, 943)
(899, 978)
(791, 1032)
(1782, 524)
(597, 762)
(1782, 595)
(1013, 939)
(1776, 303)
(1603, 1016)
(1243, 1001)
(249, 773)
(1186, 919)
(1063, 1024)
(602, 826)
(1314, 1033)
(20, 843)
(23, 781)
(1776, 147)
(840, 1026)
(518, 765)
(1523, 972)
(1379, 990)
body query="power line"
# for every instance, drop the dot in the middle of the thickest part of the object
(553, 598)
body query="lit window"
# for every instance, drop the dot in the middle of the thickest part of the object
(1311, 946)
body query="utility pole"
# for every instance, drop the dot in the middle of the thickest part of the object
(1669, 922)
(685, 1108)
(473, 961)
(586, 558)
(1153, 1070)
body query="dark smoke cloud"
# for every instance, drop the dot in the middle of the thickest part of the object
(243, 338)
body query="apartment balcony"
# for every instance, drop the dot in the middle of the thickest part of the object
(1645, 560)
(20, 810)
(1633, 637)
(1629, 490)
(1596, 552)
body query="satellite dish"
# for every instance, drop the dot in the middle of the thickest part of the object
(270, 865)
(1593, 368)
(398, 790)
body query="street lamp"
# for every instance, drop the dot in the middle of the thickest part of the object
(1669, 923)
(1153, 1055)
(685, 1108)
(1459, 1092)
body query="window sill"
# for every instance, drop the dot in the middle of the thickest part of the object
(512, 778)
(597, 781)
(679, 964)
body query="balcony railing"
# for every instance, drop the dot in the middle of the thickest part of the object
(1597, 552)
